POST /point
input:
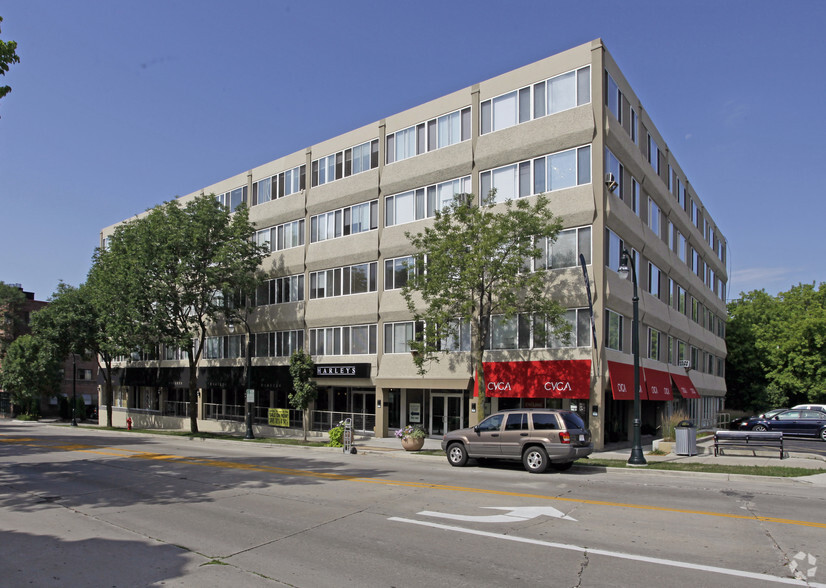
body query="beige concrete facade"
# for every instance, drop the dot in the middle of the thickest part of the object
(393, 384)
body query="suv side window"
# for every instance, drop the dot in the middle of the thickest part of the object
(544, 421)
(517, 421)
(493, 423)
(572, 420)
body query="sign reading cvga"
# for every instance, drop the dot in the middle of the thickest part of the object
(564, 378)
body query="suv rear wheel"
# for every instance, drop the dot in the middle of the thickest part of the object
(535, 459)
(456, 454)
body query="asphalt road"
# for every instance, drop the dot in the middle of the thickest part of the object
(80, 507)
(804, 445)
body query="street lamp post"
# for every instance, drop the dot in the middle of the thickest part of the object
(74, 389)
(636, 458)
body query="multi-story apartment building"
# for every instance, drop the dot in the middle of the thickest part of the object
(335, 215)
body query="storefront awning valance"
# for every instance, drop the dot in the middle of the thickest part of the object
(685, 386)
(658, 384)
(622, 381)
(566, 378)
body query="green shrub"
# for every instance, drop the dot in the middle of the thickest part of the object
(336, 436)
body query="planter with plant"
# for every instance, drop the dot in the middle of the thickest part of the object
(412, 437)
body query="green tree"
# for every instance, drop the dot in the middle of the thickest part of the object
(777, 343)
(30, 370)
(12, 319)
(475, 259)
(305, 390)
(176, 264)
(8, 55)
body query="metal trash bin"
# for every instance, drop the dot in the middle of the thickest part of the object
(685, 434)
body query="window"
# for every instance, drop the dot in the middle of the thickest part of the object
(565, 251)
(281, 290)
(681, 300)
(345, 163)
(654, 344)
(458, 338)
(262, 190)
(634, 126)
(653, 280)
(681, 351)
(615, 168)
(282, 237)
(233, 199)
(397, 271)
(654, 216)
(423, 202)
(557, 94)
(556, 171)
(613, 97)
(681, 247)
(446, 130)
(343, 281)
(397, 336)
(351, 220)
(291, 181)
(614, 246)
(613, 330)
(350, 340)
(635, 196)
(654, 154)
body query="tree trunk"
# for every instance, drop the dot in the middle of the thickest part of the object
(193, 395)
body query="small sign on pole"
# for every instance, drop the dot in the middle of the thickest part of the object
(250, 395)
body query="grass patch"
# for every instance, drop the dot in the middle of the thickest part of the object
(772, 471)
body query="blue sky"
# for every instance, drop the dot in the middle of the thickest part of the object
(118, 106)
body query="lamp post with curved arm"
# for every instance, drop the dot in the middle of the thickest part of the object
(636, 458)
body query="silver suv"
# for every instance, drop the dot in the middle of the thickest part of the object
(539, 437)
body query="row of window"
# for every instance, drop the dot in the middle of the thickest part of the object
(664, 348)
(283, 236)
(345, 221)
(280, 185)
(343, 281)
(656, 158)
(662, 287)
(343, 164)
(556, 94)
(423, 203)
(556, 171)
(436, 133)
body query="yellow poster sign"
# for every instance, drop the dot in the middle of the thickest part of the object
(278, 417)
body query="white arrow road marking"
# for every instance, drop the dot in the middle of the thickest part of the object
(515, 514)
(618, 554)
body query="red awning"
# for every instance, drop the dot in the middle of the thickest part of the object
(659, 384)
(566, 378)
(622, 381)
(684, 385)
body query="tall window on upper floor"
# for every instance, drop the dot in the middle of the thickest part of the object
(613, 97)
(654, 280)
(292, 181)
(422, 202)
(556, 94)
(262, 190)
(613, 330)
(654, 154)
(436, 133)
(345, 163)
(351, 340)
(615, 168)
(634, 134)
(398, 271)
(654, 337)
(681, 247)
(233, 198)
(556, 171)
(613, 252)
(397, 336)
(565, 251)
(654, 216)
(635, 196)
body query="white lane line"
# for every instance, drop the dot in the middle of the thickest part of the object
(619, 555)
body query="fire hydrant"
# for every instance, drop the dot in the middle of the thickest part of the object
(129, 424)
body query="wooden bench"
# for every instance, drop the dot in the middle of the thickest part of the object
(748, 439)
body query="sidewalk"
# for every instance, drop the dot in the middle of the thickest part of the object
(732, 456)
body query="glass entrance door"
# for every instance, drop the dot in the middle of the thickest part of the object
(445, 413)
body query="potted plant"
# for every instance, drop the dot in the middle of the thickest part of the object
(412, 437)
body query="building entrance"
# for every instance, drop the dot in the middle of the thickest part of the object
(446, 413)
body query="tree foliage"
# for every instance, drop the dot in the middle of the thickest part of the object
(8, 55)
(777, 348)
(178, 267)
(30, 369)
(12, 320)
(305, 391)
(475, 259)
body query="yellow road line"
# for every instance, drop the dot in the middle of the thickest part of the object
(134, 454)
